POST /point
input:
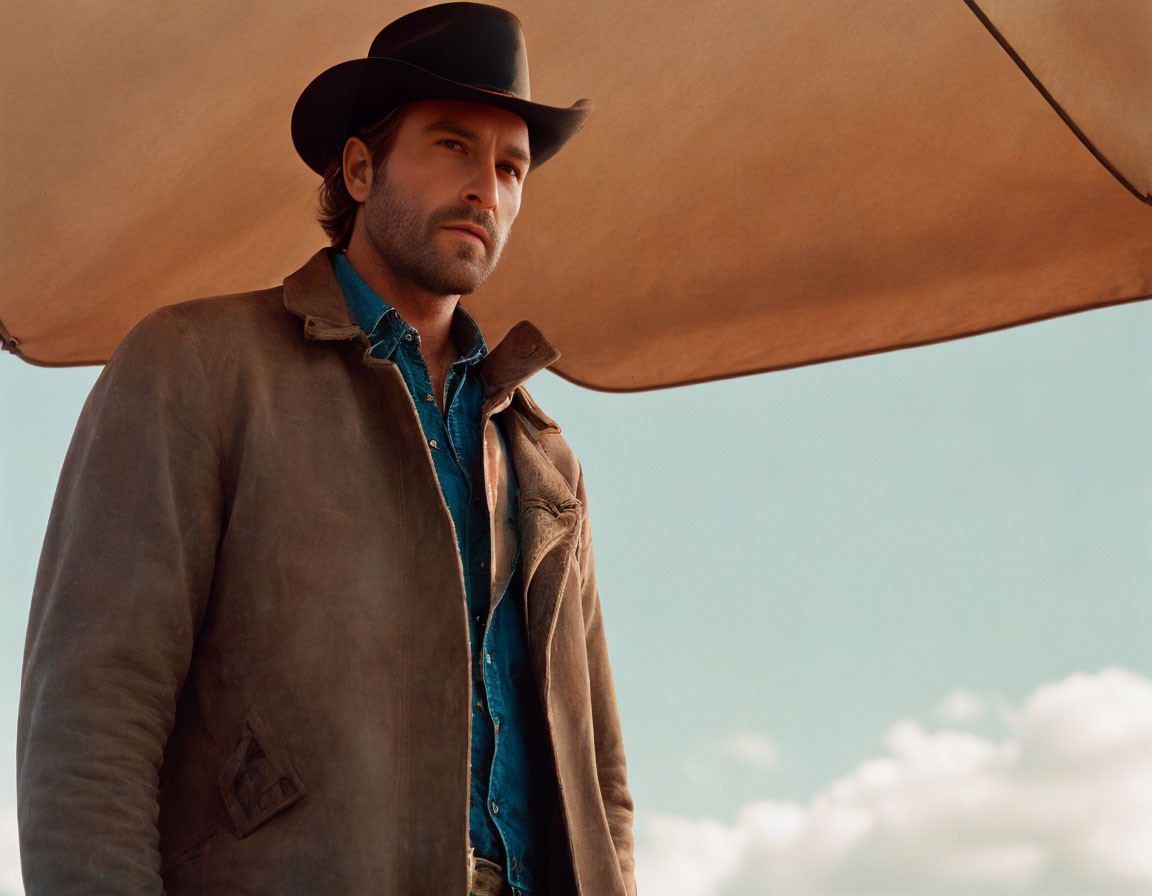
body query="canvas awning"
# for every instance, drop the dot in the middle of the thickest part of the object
(762, 185)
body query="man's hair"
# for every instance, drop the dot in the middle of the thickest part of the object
(337, 208)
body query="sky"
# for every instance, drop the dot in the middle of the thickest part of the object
(878, 626)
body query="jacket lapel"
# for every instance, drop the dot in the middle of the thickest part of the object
(550, 515)
(550, 522)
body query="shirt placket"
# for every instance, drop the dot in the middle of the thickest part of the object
(474, 545)
(494, 677)
(496, 674)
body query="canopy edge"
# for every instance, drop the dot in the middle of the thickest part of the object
(895, 347)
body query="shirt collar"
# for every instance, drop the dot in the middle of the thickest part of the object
(384, 325)
(313, 295)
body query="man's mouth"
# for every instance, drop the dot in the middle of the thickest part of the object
(469, 231)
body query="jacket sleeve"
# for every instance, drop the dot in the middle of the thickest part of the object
(120, 591)
(609, 742)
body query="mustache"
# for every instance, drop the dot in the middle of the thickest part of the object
(468, 213)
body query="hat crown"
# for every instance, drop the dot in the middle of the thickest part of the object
(470, 43)
(466, 52)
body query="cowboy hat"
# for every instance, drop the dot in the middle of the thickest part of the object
(453, 51)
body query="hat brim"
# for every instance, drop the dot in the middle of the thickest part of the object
(354, 94)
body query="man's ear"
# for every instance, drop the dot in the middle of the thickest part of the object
(357, 161)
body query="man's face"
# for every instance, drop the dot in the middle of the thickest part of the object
(441, 206)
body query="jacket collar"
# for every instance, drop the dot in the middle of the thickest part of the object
(313, 294)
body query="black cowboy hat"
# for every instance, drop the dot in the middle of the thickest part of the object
(453, 51)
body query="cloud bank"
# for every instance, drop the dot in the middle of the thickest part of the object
(1059, 804)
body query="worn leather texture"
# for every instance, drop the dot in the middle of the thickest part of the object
(246, 669)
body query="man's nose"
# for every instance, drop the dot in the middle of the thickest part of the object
(482, 188)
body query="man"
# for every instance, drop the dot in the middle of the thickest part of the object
(317, 609)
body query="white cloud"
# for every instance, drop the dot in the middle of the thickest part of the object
(962, 706)
(1059, 803)
(694, 855)
(757, 750)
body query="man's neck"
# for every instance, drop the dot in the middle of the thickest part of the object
(430, 314)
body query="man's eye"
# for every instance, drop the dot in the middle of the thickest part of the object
(452, 144)
(513, 170)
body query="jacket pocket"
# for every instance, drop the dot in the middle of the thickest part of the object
(258, 780)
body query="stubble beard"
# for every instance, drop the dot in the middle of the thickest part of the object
(407, 241)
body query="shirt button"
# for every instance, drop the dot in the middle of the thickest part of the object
(495, 808)
(479, 705)
(481, 564)
(432, 442)
(488, 658)
(430, 397)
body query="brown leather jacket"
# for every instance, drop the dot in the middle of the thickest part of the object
(247, 666)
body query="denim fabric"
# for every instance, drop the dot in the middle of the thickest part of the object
(512, 785)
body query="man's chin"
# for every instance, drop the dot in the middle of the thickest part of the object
(464, 278)
(468, 287)
(458, 271)
(455, 284)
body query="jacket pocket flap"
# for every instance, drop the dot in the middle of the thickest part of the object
(258, 781)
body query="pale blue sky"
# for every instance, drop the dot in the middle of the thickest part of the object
(809, 555)
(815, 553)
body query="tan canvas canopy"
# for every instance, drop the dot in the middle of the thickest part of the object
(764, 183)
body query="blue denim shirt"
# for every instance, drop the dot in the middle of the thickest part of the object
(513, 782)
